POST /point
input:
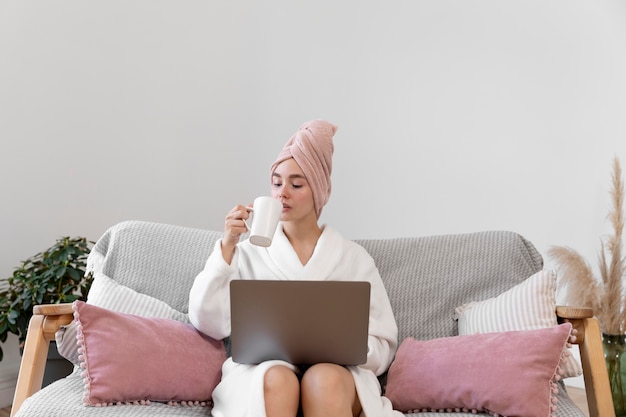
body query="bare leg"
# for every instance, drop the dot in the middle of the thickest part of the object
(328, 390)
(282, 392)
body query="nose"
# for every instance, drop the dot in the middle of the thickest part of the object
(282, 194)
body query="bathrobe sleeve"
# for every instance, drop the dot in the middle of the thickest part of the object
(383, 330)
(209, 297)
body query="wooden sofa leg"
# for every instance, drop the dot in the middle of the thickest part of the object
(33, 363)
(596, 377)
(589, 341)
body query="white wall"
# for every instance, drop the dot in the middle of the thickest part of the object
(454, 115)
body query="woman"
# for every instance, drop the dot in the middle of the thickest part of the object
(303, 250)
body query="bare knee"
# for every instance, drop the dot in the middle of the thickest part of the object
(280, 378)
(327, 375)
(329, 388)
(281, 390)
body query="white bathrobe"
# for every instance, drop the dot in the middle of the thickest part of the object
(240, 393)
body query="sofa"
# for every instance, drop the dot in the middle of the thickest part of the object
(438, 286)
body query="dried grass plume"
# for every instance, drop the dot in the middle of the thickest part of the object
(604, 293)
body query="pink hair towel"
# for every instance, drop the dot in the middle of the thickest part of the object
(312, 149)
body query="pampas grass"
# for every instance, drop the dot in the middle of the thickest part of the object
(603, 293)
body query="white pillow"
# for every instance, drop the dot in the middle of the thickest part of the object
(529, 305)
(110, 294)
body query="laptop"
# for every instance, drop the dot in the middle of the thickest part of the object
(301, 322)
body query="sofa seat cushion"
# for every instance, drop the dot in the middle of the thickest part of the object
(63, 398)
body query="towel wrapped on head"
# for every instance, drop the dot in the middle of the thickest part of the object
(312, 149)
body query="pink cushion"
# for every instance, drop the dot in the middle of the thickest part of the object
(509, 373)
(129, 359)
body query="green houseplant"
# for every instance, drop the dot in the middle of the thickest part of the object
(57, 275)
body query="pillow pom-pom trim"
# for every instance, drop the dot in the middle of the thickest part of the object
(80, 341)
(147, 402)
(451, 410)
(559, 372)
(190, 403)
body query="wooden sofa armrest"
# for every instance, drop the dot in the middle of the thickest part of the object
(589, 341)
(46, 320)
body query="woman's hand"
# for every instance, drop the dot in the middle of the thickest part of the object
(234, 227)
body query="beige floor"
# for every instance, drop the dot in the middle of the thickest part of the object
(577, 395)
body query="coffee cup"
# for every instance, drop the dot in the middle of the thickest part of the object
(264, 216)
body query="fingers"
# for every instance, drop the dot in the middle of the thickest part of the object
(234, 225)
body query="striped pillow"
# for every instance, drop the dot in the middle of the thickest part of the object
(529, 305)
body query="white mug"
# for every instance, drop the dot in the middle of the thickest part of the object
(264, 216)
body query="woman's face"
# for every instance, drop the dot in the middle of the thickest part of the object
(290, 186)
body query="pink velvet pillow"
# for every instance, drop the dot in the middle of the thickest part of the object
(509, 373)
(132, 359)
